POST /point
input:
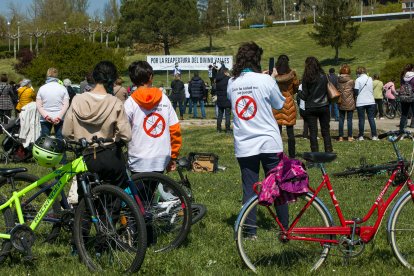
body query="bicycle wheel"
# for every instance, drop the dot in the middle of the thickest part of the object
(368, 170)
(167, 210)
(401, 230)
(120, 244)
(198, 212)
(389, 110)
(31, 203)
(264, 247)
(6, 224)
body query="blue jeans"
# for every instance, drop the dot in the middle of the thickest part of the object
(250, 167)
(349, 115)
(203, 111)
(370, 110)
(405, 109)
(190, 105)
(46, 129)
(335, 110)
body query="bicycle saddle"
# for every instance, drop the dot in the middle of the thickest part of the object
(319, 157)
(10, 171)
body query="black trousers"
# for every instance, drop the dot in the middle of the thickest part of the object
(291, 140)
(311, 116)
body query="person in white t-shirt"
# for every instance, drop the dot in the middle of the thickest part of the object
(257, 139)
(187, 99)
(52, 101)
(365, 102)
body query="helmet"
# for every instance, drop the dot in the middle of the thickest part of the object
(48, 151)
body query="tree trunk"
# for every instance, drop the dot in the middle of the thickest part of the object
(210, 46)
(166, 46)
(336, 54)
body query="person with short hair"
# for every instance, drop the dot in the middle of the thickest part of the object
(347, 103)
(365, 103)
(71, 92)
(52, 101)
(223, 103)
(333, 107)
(198, 92)
(25, 94)
(177, 95)
(156, 133)
(378, 96)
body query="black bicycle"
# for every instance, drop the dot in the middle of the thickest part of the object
(367, 170)
(391, 108)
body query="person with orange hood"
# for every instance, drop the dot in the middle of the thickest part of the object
(156, 134)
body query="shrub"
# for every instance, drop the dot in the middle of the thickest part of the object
(72, 56)
(393, 69)
(24, 59)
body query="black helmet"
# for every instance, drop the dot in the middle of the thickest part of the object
(48, 151)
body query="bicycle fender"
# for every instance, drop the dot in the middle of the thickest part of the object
(394, 209)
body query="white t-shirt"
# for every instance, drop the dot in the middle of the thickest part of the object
(187, 93)
(252, 96)
(150, 147)
(53, 96)
(365, 91)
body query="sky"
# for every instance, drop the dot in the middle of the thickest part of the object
(94, 5)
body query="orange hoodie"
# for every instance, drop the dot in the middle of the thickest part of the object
(148, 97)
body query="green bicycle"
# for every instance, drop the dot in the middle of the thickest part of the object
(109, 229)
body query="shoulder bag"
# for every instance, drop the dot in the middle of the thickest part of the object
(333, 94)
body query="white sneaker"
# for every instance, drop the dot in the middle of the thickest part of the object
(361, 138)
(374, 138)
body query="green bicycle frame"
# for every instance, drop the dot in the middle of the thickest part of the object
(64, 173)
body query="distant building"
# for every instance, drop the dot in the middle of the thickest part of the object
(407, 5)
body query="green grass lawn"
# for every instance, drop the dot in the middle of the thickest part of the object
(210, 248)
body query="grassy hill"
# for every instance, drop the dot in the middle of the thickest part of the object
(291, 40)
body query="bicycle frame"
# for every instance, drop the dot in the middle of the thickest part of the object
(64, 174)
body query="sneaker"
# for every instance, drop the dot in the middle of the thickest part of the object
(250, 237)
(350, 139)
(340, 139)
(374, 138)
(382, 118)
(361, 138)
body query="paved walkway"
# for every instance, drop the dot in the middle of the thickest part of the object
(382, 125)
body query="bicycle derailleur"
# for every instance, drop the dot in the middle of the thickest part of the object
(23, 238)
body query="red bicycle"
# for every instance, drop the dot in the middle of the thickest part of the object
(262, 241)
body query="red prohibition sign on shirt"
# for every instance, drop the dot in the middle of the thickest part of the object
(246, 108)
(154, 125)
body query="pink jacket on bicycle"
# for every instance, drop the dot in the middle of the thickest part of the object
(390, 92)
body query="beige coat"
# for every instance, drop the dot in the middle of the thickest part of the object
(101, 115)
(288, 84)
(346, 88)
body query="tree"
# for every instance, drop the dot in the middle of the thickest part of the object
(111, 11)
(164, 22)
(400, 40)
(335, 28)
(212, 21)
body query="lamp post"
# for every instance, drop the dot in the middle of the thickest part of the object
(65, 24)
(362, 7)
(372, 10)
(8, 32)
(18, 35)
(314, 14)
(89, 30)
(228, 16)
(240, 18)
(294, 11)
(284, 11)
(100, 24)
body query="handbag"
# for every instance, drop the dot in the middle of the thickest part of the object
(333, 94)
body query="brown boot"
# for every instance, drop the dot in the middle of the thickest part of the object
(181, 118)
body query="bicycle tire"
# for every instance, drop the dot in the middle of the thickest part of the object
(6, 225)
(30, 206)
(122, 248)
(198, 212)
(263, 249)
(389, 110)
(168, 220)
(401, 230)
(367, 170)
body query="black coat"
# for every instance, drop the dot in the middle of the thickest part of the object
(177, 91)
(221, 90)
(315, 94)
(197, 88)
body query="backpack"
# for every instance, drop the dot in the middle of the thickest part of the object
(284, 183)
(406, 93)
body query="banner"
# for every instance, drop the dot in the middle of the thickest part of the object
(187, 62)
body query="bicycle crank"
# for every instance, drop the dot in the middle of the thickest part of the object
(351, 248)
(23, 238)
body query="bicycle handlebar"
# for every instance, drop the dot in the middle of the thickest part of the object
(397, 133)
(82, 143)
